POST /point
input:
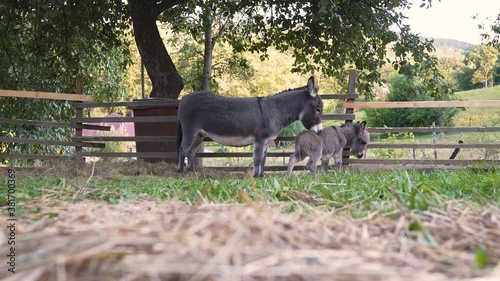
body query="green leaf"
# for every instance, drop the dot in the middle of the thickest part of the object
(412, 199)
(52, 215)
(277, 185)
(23, 196)
(481, 257)
(416, 226)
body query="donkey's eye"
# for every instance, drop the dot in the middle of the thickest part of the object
(318, 109)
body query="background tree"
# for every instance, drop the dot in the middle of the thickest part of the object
(483, 59)
(45, 45)
(226, 65)
(208, 24)
(405, 89)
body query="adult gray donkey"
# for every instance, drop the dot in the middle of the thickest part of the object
(243, 121)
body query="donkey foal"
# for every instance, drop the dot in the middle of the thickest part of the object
(327, 143)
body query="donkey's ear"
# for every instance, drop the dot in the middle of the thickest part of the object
(312, 86)
(362, 126)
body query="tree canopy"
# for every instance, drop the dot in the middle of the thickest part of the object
(326, 36)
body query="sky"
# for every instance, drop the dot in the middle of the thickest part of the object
(452, 19)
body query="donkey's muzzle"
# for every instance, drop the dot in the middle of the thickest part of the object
(317, 128)
(359, 155)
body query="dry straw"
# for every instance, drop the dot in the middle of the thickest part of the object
(153, 240)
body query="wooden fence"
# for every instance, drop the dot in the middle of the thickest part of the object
(78, 97)
(80, 122)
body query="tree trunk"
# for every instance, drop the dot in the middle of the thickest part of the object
(207, 56)
(166, 81)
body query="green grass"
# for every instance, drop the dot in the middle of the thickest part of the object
(363, 192)
(492, 93)
(474, 115)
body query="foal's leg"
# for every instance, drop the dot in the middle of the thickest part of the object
(258, 155)
(313, 159)
(291, 162)
(338, 158)
(324, 163)
(192, 150)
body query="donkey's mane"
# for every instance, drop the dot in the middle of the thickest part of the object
(348, 125)
(294, 89)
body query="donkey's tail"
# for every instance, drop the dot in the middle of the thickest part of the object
(294, 158)
(179, 136)
(298, 151)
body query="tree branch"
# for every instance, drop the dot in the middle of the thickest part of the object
(165, 5)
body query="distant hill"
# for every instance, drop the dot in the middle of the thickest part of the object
(441, 43)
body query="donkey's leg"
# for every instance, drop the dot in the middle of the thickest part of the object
(258, 155)
(187, 140)
(192, 151)
(263, 161)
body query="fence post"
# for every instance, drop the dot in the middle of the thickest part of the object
(351, 90)
(79, 112)
(434, 139)
(441, 123)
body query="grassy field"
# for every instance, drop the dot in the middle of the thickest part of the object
(492, 93)
(364, 191)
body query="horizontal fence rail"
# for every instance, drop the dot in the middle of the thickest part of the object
(422, 162)
(433, 129)
(151, 102)
(140, 119)
(53, 124)
(423, 104)
(434, 145)
(32, 156)
(50, 142)
(44, 95)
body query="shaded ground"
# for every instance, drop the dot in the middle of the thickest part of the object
(153, 240)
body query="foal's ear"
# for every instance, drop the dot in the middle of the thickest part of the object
(312, 86)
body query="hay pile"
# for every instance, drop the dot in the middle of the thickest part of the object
(153, 240)
(74, 167)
